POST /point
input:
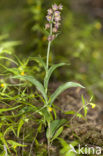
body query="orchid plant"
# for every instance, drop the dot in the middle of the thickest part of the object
(54, 126)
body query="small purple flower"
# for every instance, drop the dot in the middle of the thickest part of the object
(47, 26)
(53, 18)
(55, 29)
(54, 7)
(60, 7)
(57, 25)
(49, 18)
(51, 37)
(58, 18)
(57, 13)
(50, 11)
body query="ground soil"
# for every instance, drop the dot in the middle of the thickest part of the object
(88, 132)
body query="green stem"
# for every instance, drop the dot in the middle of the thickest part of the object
(49, 44)
(48, 51)
(78, 112)
(47, 65)
(49, 139)
(33, 143)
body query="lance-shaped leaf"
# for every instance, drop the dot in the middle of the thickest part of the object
(9, 59)
(15, 144)
(38, 85)
(58, 132)
(50, 71)
(20, 124)
(9, 129)
(63, 87)
(54, 126)
(9, 109)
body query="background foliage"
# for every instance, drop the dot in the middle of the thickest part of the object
(23, 36)
(79, 42)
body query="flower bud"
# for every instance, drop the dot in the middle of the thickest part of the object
(60, 7)
(55, 29)
(51, 37)
(47, 26)
(57, 24)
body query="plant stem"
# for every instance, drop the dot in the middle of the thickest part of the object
(78, 112)
(23, 143)
(49, 139)
(33, 143)
(48, 51)
(48, 148)
(47, 66)
(49, 44)
(5, 149)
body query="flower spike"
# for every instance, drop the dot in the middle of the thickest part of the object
(53, 18)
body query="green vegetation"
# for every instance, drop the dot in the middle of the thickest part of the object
(29, 121)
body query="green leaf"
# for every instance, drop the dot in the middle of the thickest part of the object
(9, 44)
(27, 109)
(9, 109)
(65, 150)
(85, 110)
(63, 87)
(50, 71)
(8, 130)
(3, 154)
(91, 98)
(13, 143)
(46, 114)
(58, 132)
(70, 112)
(12, 70)
(63, 142)
(38, 85)
(54, 126)
(9, 59)
(2, 139)
(79, 115)
(84, 106)
(83, 101)
(21, 122)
